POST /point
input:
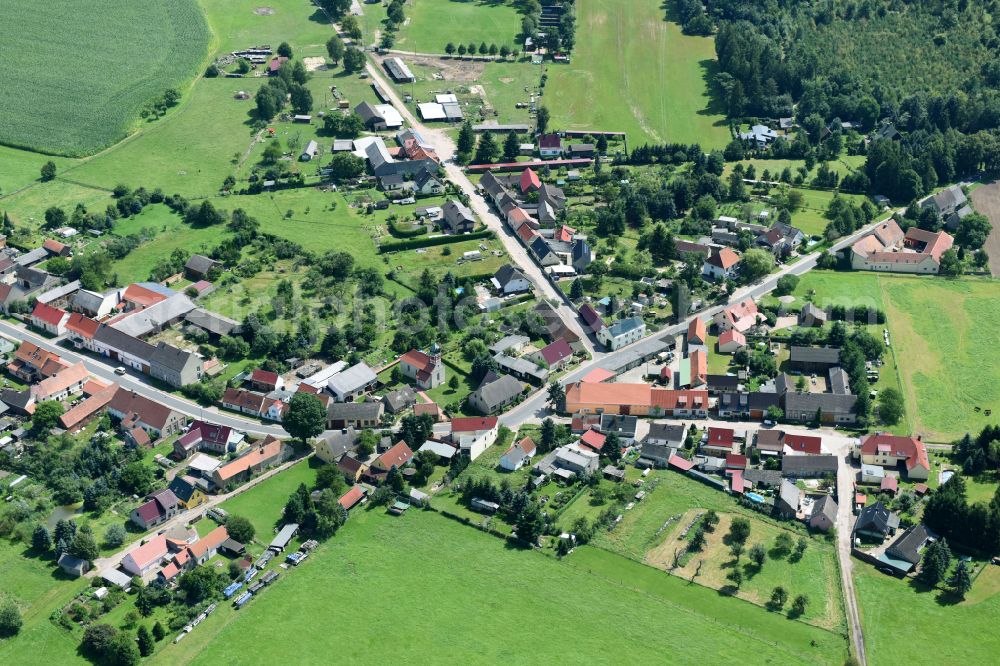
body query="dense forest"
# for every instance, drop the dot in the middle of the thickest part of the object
(927, 66)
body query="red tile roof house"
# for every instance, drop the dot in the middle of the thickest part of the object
(61, 385)
(55, 248)
(431, 408)
(720, 442)
(473, 435)
(262, 380)
(592, 440)
(246, 402)
(731, 341)
(721, 265)
(591, 318)
(87, 409)
(32, 363)
(205, 548)
(425, 369)
(697, 333)
(203, 436)
(159, 507)
(132, 410)
(699, 368)
(803, 444)
(140, 561)
(741, 316)
(518, 455)
(890, 450)
(49, 319)
(254, 461)
(398, 456)
(554, 355)
(530, 182)
(550, 145)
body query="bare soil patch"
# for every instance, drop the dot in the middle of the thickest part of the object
(314, 64)
(450, 69)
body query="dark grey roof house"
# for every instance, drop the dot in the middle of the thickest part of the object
(457, 217)
(808, 467)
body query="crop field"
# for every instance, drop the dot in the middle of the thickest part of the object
(945, 335)
(814, 575)
(633, 72)
(937, 628)
(375, 551)
(77, 76)
(434, 23)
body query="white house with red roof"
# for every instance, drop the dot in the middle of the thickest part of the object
(473, 435)
(530, 182)
(887, 249)
(518, 455)
(426, 370)
(887, 450)
(49, 319)
(592, 440)
(740, 316)
(720, 442)
(266, 381)
(721, 265)
(550, 145)
(140, 561)
(731, 341)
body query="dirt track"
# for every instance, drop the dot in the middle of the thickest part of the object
(986, 199)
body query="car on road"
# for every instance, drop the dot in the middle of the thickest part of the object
(120, 370)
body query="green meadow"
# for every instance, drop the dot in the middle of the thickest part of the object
(433, 23)
(634, 72)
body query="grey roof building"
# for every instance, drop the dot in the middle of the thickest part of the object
(457, 217)
(808, 467)
(175, 366)
(813, 357)
(212, 323)
(497, 394)
(876, 520)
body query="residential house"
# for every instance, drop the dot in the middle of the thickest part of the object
(174, 366)
(31, 363)
(94, 304)
(809, 467)
(158, 507)
(583, 255)
(518, 455)
(888, 249)
(188, 492)
(49, 319)
(142, 560)
(721, 264)
(357, 415)
(352, 468)
(352, 383)
(760, 136)
(430, 408)
(731, 341)
(474, 435)
(720, 442)
(399, 400)
(426, 370)
(457, 218)
(592, 440)
(950, 203)
(622, 333)
(254, 461)
(495, 395)
(824, 514)
(510, 280)
(875, 521)
(887, 450)
(333, 445)
(265, 381)
(204, 436)
(550, 146)
(622, 425)
(813, 359)
(788, 499)
(553, 355)
(740, 316)
(121, 347)
(812, 316)
(205, 548)
(905, 552)
(591, 318)
(634, 400)
(397, 456)
(697, 333)
(136, 411)
(66, 382)
(245, 402)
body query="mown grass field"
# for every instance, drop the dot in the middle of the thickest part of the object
(945, 334)
(240, 24)
(633, 71)
(77, 76)
(377, 552)
(434, 23)
(264, 503)
(936, 630)
(21, 168)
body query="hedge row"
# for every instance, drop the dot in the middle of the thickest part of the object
(399, 232)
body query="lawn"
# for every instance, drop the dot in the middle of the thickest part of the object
(191, 152)
(937, 631)
(634, 72)
(77, 78)
(432, 24)
(944, 332)
(27, 207)
(240, 24)
(377, 552)
(172, 234)
(814, 575)
(263, 503)
(22, 168)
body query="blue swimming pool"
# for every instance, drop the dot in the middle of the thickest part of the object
(756, 498)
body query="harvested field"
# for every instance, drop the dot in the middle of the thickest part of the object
(986, 200)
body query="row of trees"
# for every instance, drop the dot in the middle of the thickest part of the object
(493, 50)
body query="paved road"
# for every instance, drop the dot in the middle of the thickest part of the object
(446, 150)
(103, 369)
(534, 406)
(183, 518)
